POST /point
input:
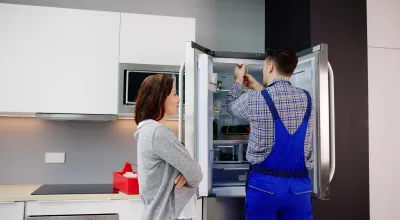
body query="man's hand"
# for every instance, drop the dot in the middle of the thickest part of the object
(180, 181)
(252, 83)
(239, 73)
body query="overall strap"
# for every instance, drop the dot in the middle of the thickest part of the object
(270, 104)
(309, 107)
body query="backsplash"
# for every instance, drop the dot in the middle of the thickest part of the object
(93, 150)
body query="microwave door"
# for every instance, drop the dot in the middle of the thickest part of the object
(312, 74)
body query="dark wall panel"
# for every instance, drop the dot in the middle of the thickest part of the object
(287, 24)
(342, 24)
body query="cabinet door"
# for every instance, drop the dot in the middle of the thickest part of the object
(69, 207)
(130, 209)
(150, 39)
(12, 210)
(58, 60)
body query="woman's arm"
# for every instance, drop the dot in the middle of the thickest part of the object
(166, 145)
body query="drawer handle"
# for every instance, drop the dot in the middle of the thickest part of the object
(237, 168)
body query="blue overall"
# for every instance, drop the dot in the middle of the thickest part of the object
(279, 187)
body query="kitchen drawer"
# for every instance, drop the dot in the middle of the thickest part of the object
(11, 210)
(71, 207)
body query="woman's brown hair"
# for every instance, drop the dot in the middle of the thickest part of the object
(151, 97)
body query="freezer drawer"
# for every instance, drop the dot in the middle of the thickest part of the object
(224, 208)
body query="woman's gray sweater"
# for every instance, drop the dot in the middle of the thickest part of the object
(161, 157)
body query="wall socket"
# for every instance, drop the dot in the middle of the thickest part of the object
(54, 157)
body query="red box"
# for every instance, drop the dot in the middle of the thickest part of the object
(125, 184)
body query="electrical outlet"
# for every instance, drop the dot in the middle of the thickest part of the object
(54, 157)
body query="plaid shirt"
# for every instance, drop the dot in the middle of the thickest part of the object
(291, 103)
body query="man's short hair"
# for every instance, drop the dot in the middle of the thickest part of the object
(285, 60)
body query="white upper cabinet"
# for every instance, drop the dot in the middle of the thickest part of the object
(150, 39)
(58, 60)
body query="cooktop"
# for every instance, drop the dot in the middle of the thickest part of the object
(57, 189)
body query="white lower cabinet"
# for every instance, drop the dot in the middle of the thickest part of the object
(126, 209)
(130, 209)
(12, 210)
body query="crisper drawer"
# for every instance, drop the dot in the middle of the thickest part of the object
(229, 151)
(229, 174)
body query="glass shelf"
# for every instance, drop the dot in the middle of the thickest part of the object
(228, 90)
(220, 115)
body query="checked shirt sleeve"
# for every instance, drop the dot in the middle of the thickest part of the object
(237, 103)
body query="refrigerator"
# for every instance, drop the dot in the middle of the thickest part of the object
(218, 140)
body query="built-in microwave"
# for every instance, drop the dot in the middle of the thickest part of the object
(131, 77)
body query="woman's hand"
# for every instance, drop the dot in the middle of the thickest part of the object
(180, 181)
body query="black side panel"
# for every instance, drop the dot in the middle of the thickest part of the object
(342, 24)
(287, 24)
(202, 49)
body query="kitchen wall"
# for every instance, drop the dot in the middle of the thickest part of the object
(383, 82)
(95, 149)
(230, 25)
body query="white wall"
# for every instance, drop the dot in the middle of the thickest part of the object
(384, 105)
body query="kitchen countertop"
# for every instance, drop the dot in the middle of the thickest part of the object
(14, 193)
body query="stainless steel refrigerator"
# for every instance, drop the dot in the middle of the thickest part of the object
(218, 140)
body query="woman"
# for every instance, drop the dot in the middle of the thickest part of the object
(168, 175)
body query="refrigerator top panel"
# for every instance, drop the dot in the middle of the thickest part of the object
(234, 56)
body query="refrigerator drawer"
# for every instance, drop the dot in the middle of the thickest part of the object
(229, 175)
(229, 191)
(228, 151)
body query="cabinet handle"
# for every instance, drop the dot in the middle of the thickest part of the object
(72, 200)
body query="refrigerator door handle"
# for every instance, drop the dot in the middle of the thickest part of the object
(332, 122)
(180, 109)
